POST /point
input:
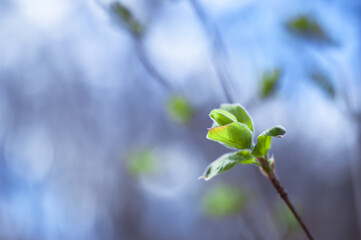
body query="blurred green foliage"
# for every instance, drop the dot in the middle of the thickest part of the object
(224, 200)
(269, 83)
(122, 11)
(307, 27)
(141, 162)
(179, 109)
(126, 17)
(322, 81)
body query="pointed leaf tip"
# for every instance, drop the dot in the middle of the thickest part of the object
(222, 117)
(275, 131)
(264, 140)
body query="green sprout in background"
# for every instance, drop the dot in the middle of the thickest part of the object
(179, 109)
(223, 200)
(270, 80)
(322, 81)
(233, 127)
(127, 19)
(141, 163)
(308, 28)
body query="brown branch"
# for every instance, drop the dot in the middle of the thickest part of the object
(267, 169)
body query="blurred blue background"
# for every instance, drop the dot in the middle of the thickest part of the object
(92, 145)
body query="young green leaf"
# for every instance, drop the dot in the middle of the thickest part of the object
(226, 162)
(126, 17)
(264, 140)
(307, 27)
(222, 117)
(324, 83)
(141, 162)
(240, 113)
(224, 200)
(179, 109)
(234, 135)
(269, 83)
(122, 11)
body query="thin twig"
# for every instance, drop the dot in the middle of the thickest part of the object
(267, 169)
(149, 67)
(142, 54)
(219, 49)
(283, 194)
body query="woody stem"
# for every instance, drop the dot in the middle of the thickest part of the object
(282, 193)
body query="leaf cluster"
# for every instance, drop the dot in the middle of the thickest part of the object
(233, 127)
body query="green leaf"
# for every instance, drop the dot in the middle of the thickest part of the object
(137, 28)
(222, 117)
(269, 83)
(226, 162)
(141, 162)
(324, 83)
(179, 109)
(224, 200)
(240, 113)
(122, 11)
(127, 18)
(264, 140)
(234, 135)
(307, 27)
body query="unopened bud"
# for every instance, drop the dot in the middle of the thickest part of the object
(263, 171)
(272, 163)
